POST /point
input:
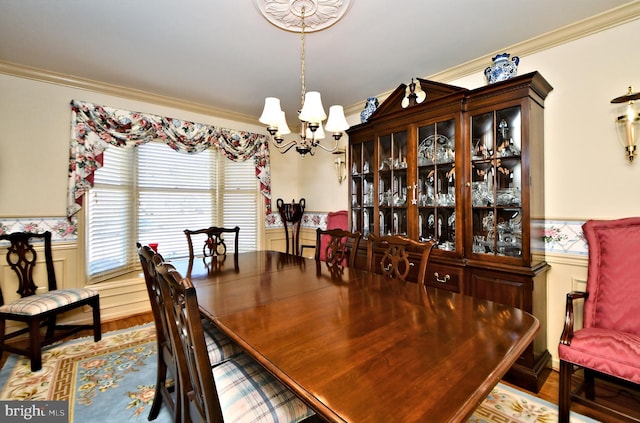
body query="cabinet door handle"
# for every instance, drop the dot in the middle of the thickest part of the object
(443, 280)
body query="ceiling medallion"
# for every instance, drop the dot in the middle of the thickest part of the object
(318, 14)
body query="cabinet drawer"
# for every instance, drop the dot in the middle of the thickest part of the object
(445, 277)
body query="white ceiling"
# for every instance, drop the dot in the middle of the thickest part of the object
(225, 54)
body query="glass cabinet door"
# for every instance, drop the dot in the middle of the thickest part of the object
(392, 184)
(436, 184)
(496, 182)
(362, 189)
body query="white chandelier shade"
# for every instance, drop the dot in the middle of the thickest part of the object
(336, 123)
(271, 114)
(312, 109)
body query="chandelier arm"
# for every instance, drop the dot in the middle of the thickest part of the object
(286, 147)
(330, 150)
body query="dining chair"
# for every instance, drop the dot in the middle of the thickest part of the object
(214, 244)
(166, 363)
(396, 256)
(337, 246)
(291, 215)
(335, 220)
(609, 341)
(236, 390)
(41, 309)
(219, 346)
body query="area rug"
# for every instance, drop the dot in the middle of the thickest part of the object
(113, 380)
(105, 381)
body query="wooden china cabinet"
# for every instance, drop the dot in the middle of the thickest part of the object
(465, 168)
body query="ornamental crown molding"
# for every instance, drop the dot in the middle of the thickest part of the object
(318, 14)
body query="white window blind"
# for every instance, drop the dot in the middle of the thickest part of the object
(151, 194)
(108, 215)
(239, 201)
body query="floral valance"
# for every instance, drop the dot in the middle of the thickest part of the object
(94, 128)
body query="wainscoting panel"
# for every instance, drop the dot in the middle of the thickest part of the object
(275, 239)
(567, 273)
(123, 298)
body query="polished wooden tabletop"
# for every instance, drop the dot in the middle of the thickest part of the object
(359, 347)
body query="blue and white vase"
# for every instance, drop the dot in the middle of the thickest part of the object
(370, 106)
(502, 68)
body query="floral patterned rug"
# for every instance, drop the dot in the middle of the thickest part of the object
(113, 380)
(509, 405)
(110, 380)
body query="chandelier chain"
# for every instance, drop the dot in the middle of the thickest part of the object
(303, 88)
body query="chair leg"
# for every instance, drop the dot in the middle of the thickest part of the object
(589, 385)
(35, 346)
(564, 400)
(51, 328)
(97, 326)
(161, 377)
(2, 328)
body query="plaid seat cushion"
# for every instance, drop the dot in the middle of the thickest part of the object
(248, 393)
(219, 346)
(40, 303)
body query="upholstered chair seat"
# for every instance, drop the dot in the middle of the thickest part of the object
(219, 347)
(605, 351)
(248, 393)
(38, 304)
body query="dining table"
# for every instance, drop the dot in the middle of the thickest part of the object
(357, 346)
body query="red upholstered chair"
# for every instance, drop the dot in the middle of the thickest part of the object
(335, 220)
(609, 342)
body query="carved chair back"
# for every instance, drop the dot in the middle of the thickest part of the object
(214, 244)
(337, 246)
(396, 256)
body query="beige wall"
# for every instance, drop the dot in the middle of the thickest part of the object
(586, 173)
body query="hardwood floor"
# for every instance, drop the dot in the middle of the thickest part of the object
(548, 392)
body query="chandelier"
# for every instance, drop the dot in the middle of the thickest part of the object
(311, 113)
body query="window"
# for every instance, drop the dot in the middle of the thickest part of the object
(152, 193)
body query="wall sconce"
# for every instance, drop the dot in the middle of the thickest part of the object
(628, 122)
(341, 164)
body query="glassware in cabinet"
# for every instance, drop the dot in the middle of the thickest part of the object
(436, 184)
(496, 182)
(362, 186)
(392, 184)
